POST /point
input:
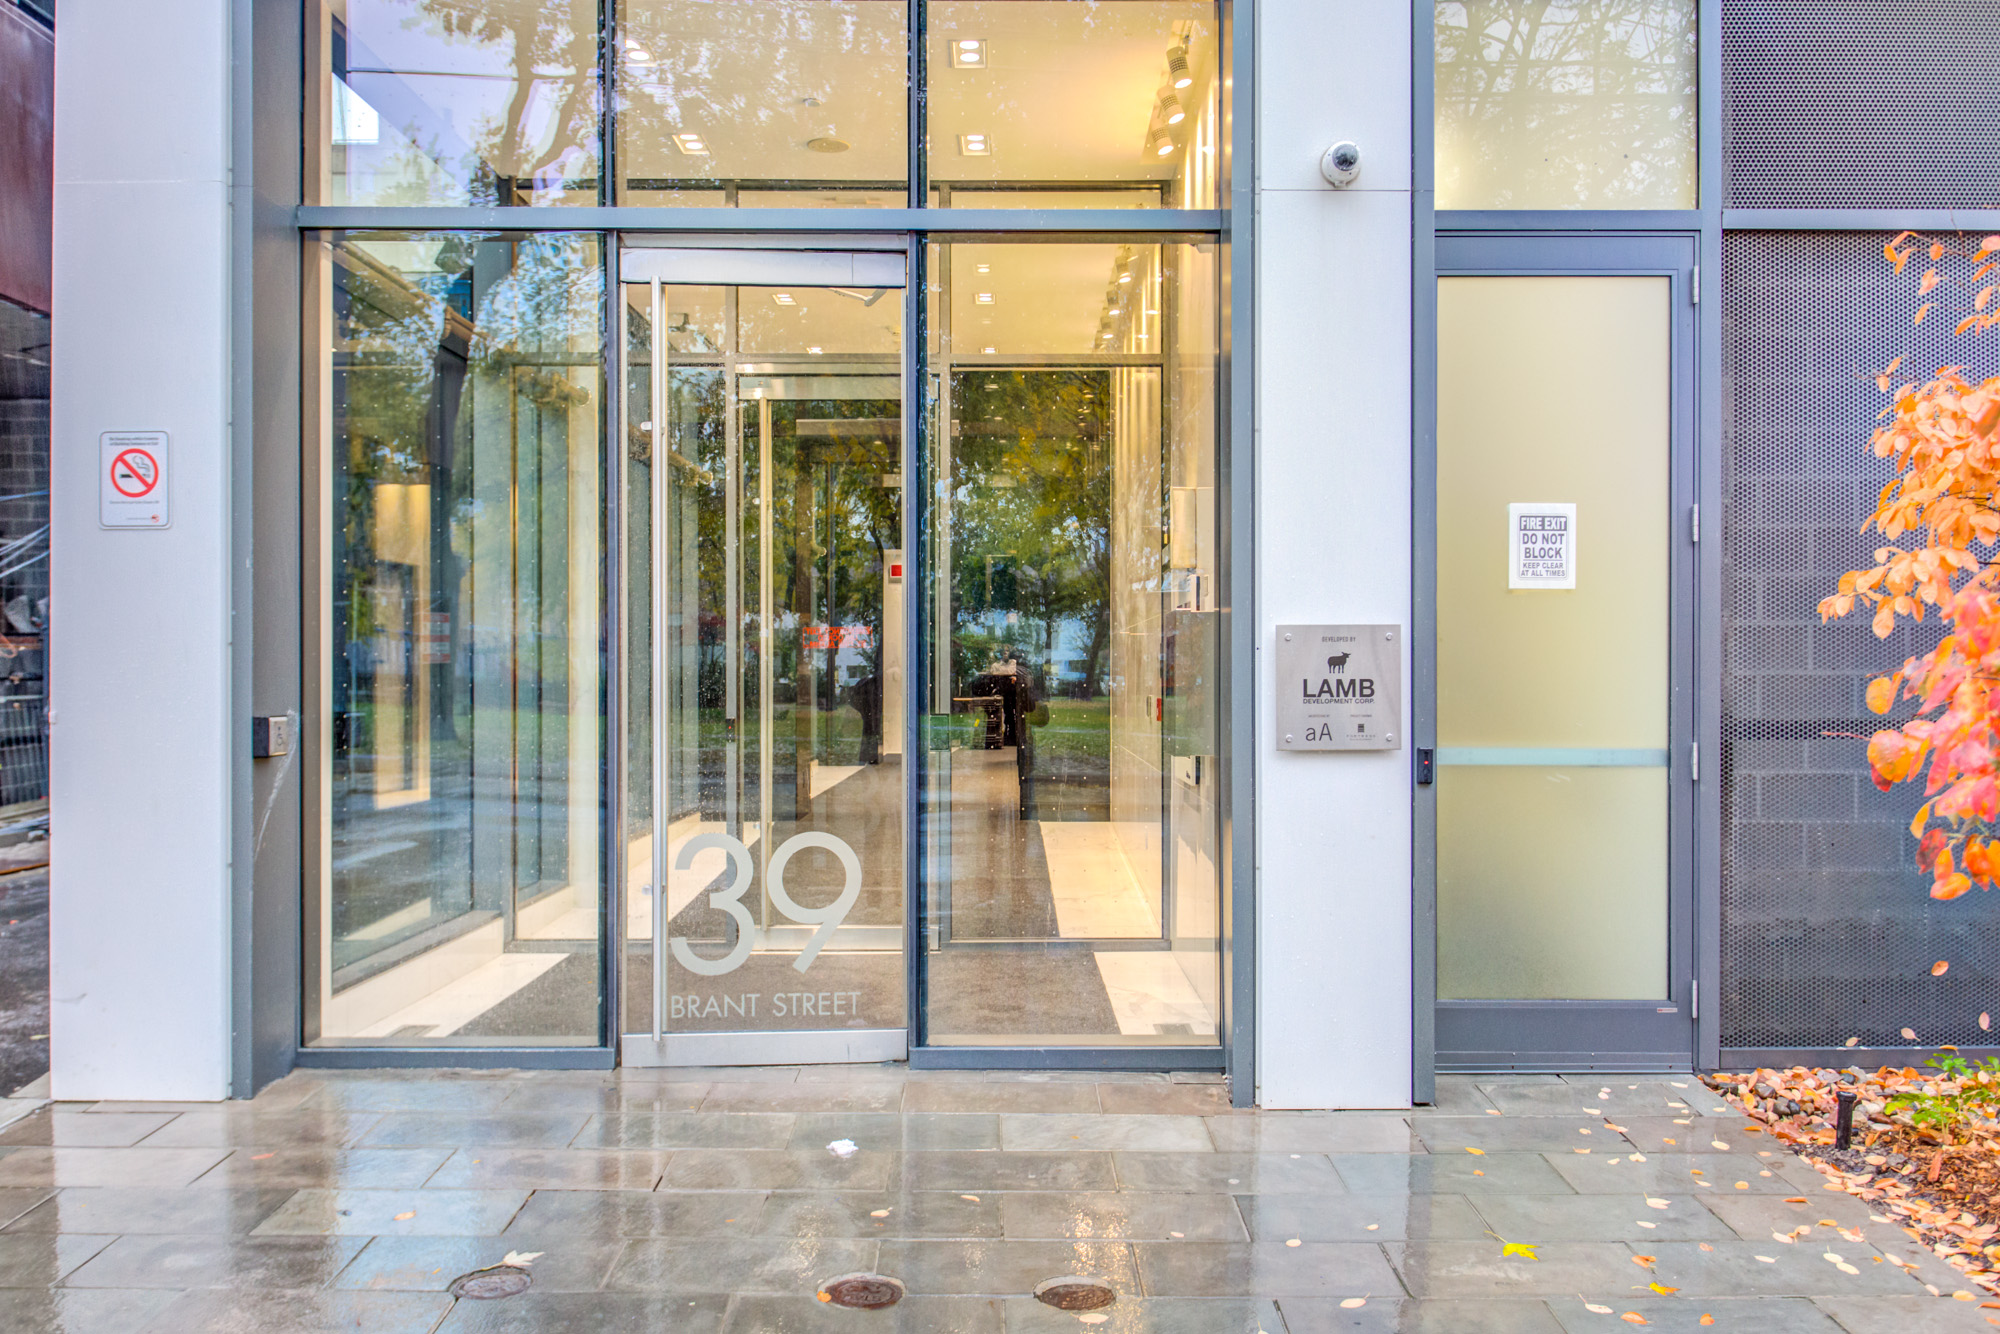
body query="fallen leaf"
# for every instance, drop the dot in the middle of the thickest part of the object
(1634, 1318)
(1717, 1144)
(824, 1297)
(1476, 1152)
(1373, 1226)
(1352, 1303)
(1645, 1224)
(1655, 1204)
(1292, 1241)
(878, 1213)
(1522, 1248)
(260, 1157)
(406, 1217)
(1910, 1034)
(1705, 1246)
(522, 1259)
(1795, 1199)
(973, 1198)
(1638, 1157)
(842, 1148)
(1985, 1019)
(1785, 1237)
(1765, 1258)
(1662, 1288)
(1707, 1319)
(1645, 1261)
(1595, 1309)
(1476, 1172)
(1177, 1234)
(1852, 1042)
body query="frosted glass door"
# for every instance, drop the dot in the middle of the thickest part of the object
(1553, 400)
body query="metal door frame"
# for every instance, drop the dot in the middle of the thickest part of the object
(1584, 1035)
(777, 262)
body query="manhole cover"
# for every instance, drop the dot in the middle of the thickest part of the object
(862, 1292)
(485, 1285)
(1075, 1294)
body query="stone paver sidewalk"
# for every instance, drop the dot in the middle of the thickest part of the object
(710, 1201)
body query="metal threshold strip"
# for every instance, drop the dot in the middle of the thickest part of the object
(1553, 757)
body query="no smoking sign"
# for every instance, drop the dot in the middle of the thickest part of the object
(132, 479)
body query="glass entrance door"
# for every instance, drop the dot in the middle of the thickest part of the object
(765, 626)
(1564, 565)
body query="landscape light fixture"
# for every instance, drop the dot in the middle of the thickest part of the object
(968, 53)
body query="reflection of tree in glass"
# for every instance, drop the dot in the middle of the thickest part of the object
(547, 47)
(1031, 516)
(787, 69)
(1565, 103)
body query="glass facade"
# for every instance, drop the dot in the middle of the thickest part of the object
(682, 582)
(463, 557)
(1069, 816)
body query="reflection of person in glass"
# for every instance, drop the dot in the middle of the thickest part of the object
(866, 695)
(1013, 722)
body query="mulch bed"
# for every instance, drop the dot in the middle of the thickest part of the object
(1945, 1195)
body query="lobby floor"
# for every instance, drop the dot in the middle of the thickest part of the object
(721, 1200)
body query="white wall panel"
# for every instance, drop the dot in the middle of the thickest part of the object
(139, 669)
(1333, 545)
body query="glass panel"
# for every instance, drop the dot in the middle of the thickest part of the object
(1070, 816)
(1566, 104)
(1552, 702)
(465, 537)
(780, 682)
(449, 104)
(720, 101)
(1058, 91)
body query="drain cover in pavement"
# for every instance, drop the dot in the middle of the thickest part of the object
(485, 1285)
(862, 1292)
(1075, 1294)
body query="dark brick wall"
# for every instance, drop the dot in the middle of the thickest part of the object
(1827, 931)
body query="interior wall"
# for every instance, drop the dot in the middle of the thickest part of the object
(141, 742)
(1333, 544)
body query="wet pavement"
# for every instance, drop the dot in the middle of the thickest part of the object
(723, 1200)
(24, 978)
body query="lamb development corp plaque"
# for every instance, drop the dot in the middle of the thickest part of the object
(1339, 687)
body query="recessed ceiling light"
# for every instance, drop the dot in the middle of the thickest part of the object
(813, 350)
(974, 145)
(784, 299)
(968, 53)
(982, 268)
(988, 350)
(691, 144)
(1177, 67)
(984, 298)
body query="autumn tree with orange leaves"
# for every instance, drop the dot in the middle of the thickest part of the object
(1939, 519)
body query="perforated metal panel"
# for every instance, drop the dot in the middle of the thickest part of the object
(1827, 930)
(1860, 103)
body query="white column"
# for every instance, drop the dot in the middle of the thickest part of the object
(139, 653)
(1333, 542)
